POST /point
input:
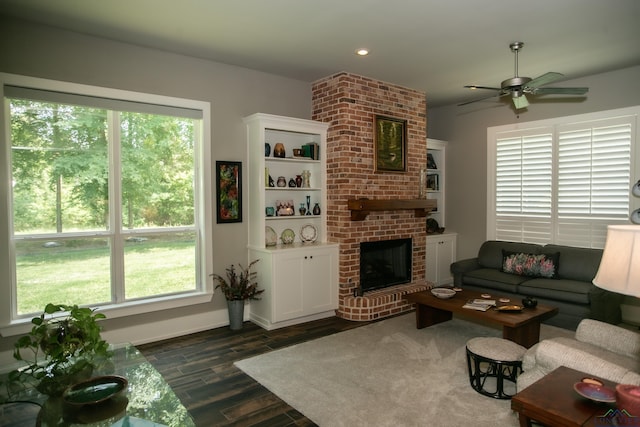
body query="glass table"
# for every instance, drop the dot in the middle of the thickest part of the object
(148, 400)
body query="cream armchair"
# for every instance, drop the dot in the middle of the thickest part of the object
(599, 349)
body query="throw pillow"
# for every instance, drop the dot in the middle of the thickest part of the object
(533, 265)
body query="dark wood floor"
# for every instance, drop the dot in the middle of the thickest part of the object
(199, 368)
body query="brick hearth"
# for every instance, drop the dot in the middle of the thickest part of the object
(350, 103)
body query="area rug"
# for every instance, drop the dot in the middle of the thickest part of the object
(385, 374)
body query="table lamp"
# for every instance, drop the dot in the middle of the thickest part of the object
(619, 272)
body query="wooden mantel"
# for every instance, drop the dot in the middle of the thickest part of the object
(360, 208)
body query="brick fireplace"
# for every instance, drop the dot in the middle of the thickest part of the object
(350, 102)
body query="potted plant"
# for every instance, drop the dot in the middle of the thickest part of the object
(237, 288)
(60, 350)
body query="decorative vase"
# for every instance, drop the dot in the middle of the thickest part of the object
(628, 398)
(278, 150)
(236, 314)
(302, 209)
(422, 186)
(267, 149)
(306, 179)
(529, 302)
(316, 209)
(271, 183)
(298, 181)
(308, 205)
(282, 181)
(292, 183)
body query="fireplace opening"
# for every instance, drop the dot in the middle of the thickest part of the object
(385, 263)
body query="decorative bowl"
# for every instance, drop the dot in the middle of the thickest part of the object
(595, 392)
(443, 293)
(95, 390)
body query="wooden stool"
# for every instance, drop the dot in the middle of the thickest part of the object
(490, 357)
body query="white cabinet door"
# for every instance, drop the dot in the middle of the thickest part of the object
(304, 282)
(320, 287)
(441, 253)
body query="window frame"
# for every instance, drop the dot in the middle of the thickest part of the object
(10, 325)
(555, 126)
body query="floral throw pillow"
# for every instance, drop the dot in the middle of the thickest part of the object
(533, 265)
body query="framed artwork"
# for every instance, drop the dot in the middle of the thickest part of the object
(228, 191)
(390, 144)
(432, 182)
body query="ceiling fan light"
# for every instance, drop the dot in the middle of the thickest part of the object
(520, 102)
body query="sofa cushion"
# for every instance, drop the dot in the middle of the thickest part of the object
(573, 291)
(494, 279)
(576, 263)
(531, 265)
(490, 253)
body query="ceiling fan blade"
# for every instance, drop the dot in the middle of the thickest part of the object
(477, 99)
(560, 90)
(520, 102)
(482, 87)
(544, 79)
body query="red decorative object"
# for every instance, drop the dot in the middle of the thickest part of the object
(628, 398)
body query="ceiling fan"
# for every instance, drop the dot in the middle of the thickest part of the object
(518, 86)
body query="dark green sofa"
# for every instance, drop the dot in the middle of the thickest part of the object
(571, 290)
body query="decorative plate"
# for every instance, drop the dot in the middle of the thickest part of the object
(595, 392)
(270, 236)
(509, 308)
(95, 390)
(287, 236)
(308, 233)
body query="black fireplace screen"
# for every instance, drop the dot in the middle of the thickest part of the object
(385, 263)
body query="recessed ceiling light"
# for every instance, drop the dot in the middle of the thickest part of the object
(362, 52)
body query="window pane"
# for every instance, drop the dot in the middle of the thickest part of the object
(159, 264)
(157, 171)
(59, 167)
(64, 271)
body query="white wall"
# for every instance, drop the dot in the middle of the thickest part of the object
(233, 92)
(466, 130)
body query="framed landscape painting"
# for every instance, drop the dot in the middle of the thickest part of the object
(390, 144)
(229, 191)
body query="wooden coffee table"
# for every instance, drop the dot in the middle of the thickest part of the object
(552, 401)
(521, 327)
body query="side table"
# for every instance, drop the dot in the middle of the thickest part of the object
(552, 401)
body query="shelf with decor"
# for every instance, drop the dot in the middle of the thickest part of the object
(299, 267)
(441, 247)
(436, 163)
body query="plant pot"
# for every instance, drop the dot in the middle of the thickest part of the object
(236, 314)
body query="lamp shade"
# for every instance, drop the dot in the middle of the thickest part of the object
(619, 269)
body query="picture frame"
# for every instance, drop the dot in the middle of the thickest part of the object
(228, 192)
(390, 144)
(433, 183)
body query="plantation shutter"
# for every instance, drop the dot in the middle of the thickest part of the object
(594, 172)
(523, 187)
(562, 180)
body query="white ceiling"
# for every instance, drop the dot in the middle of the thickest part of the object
(436, 46)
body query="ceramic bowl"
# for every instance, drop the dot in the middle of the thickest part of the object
(443, 293)
(95, 390)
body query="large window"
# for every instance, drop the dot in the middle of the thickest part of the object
(105, 197)
(562, 180)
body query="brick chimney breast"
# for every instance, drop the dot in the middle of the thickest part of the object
(350, 103)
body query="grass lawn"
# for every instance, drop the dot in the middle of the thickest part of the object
(81, 275)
